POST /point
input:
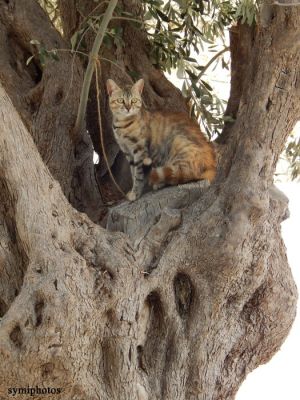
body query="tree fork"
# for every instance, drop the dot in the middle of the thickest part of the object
(182, 303)
(169, 320)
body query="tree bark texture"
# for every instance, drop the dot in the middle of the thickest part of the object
(47, 98)
(187, 289)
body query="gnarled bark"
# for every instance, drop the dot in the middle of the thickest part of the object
(47, 97)
(186, 291)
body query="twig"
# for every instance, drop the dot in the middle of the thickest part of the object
(90, 68)
(211, 61)
(278, 3)
(85, 18)
(130, 19)
(73, 61)
(101, 130)
(69, 51)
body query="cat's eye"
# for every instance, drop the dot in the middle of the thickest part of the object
(134, 100)
(120, 100)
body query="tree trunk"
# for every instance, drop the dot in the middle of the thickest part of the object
(47, 97)
(187, 289)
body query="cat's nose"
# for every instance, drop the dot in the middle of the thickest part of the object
(127, 107)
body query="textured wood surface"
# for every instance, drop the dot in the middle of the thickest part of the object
(137, 217)
(187, 291)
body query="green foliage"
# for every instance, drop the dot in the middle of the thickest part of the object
(42, 53)
(186, 36)
(293, 155)
(247, 11)
(51, 7)
(180, 32)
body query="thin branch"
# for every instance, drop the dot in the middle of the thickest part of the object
(85, 18)
(278, 3)
(101, 131)
(91, 65)
(73, 58)
(68, 51)
(211, 61)
(130, 19)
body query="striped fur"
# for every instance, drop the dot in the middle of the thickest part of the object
(171, 143)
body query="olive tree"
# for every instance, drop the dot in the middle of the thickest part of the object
(182, 293)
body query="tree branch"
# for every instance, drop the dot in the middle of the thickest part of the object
(268, 107)
(211, 61)
(212, 285)
(241, 43)
(91, 65)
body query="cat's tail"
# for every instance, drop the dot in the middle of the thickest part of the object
(176, 174)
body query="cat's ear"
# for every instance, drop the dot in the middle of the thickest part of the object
(111, 86)
(138, 86)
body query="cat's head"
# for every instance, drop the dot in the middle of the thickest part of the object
(125, 102)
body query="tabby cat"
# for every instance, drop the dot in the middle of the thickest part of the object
(171, 143)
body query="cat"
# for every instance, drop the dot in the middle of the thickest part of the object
(170, 143)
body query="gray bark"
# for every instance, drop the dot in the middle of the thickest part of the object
(217, 300)
(186, 291)
(47, 99)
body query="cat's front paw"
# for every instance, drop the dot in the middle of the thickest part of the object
(158, 186)
(147, 161)
(131, 196)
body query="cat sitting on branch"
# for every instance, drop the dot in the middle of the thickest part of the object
(171, 144)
